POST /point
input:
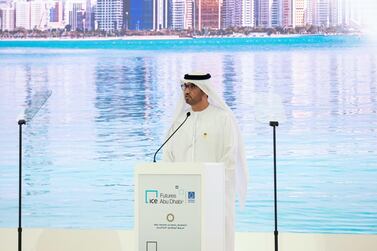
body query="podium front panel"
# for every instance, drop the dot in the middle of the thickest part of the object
(170, 212)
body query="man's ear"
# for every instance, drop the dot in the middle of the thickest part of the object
(204, 94)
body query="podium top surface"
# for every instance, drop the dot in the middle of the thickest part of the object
(178, 168)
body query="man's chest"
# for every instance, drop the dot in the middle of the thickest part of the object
(202, 131)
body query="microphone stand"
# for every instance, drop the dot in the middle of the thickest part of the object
(166, 141)
(41, 98)
(20, 123)
(274, 124)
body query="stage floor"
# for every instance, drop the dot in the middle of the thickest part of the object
(121, 240)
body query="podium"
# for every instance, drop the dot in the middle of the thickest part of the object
(180, 206)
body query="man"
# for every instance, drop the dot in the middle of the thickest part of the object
(210, 134)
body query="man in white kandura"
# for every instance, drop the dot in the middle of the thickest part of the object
(210, 135)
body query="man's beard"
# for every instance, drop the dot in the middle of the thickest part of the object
(195, 99)
(190, 100)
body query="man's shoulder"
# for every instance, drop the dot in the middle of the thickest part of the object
(219, 112)
(216, 108)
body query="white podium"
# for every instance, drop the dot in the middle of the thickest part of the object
(180, 207)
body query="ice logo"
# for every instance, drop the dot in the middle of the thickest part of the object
(151, 196)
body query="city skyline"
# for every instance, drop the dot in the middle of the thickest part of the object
(181, 14)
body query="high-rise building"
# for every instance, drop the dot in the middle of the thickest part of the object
(177, 9)
(248, 13)
(336, 12)
(56, 14)
(160, 14)
(23, 14)
(189, 14)
(322, 13)
(31, 15)
(80, 20)
(238, 12)
(207, 14)
(89, 16)
(299, 13)
(314, 18)
(148, 14)
(287, 13)
(135, 15)
(76, 16)
(263, 13)
(227, 13)
(276, 13)
(126, 13)
(38, 15)
(256, 13)
(231, 13)
(309, 11)
(109, 14)
(7, 18)
(71, 7)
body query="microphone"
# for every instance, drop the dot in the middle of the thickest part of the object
(21, 120)
(166, 141)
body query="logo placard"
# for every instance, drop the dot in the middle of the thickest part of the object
(151, 196)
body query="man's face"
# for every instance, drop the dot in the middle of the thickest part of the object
(193, 94)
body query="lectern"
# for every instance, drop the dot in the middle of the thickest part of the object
(180, 206)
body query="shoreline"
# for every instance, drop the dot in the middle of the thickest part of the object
(166, 37)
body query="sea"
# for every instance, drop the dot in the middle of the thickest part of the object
(98, 108)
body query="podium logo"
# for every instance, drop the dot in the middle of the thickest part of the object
(151, 196)
(191, 197)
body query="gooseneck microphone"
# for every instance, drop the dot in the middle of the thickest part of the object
(166, 141)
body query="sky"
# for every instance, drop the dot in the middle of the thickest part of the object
(369, 13)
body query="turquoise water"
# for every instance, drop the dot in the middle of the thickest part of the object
(112, 101)
(201, 44)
